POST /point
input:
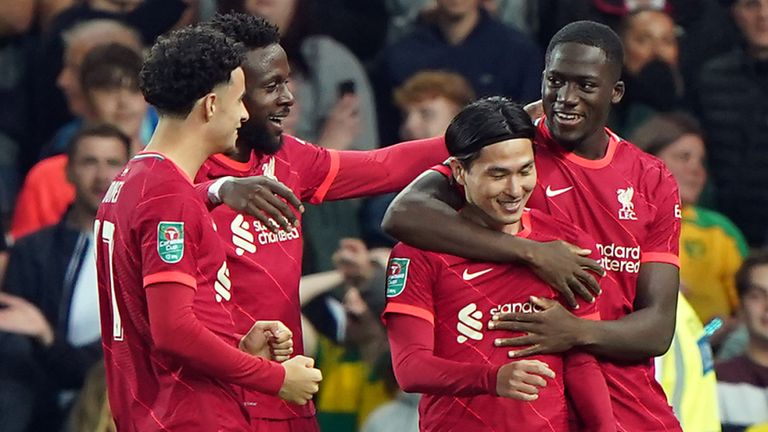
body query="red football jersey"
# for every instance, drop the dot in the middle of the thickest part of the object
(459, 296)
(629, 203)
(268, 265)
(150, 228)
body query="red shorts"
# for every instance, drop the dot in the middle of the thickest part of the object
(302, 424)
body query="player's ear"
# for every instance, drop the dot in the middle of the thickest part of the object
(458, 170)
(209, 106)
(618, 92)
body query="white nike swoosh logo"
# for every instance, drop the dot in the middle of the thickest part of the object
(555, 192)
(469, 276)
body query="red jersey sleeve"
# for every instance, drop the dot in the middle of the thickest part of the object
(410, 278)
(169, 229)
(662, 244)
(364, 173)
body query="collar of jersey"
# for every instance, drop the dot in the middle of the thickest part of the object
(613, 142)
(233, 164)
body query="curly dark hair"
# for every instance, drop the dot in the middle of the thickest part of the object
(252, 31)
(185, 65)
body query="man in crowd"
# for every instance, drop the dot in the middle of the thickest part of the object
(57, 309)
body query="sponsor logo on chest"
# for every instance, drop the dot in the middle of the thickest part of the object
(246, 236)
(470, 324)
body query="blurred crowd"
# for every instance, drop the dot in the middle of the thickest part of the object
(368, 74)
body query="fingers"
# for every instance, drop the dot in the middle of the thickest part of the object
(514, 326)
(565, 290)
(284, 191)
(260, 209)
(279, 210)
(590, 264)
(525, 352)
(537, 367)
(516, 341)
(577, 287)
(522, 396)
(11, 300)
(577, 250)
(590, 282)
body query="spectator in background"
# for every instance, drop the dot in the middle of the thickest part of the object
(731, 100)
(109, 85)
(711, 246)
(742, 382)
(428, 101)
(16, 18)
(58, 308)
(352, 345)
(91, 412)
(653, 82)
(460, 36)
(150, 18)
(80, 41)
(334, 108)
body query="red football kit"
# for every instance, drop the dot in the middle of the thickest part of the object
(629, 203)
(268, 265)
(165, 297)
(454, 362)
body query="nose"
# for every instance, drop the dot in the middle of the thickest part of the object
(286, 96)
(567, 94)
(244, 116)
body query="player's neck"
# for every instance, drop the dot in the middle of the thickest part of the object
(182, 143)
(757, 351)
(80, 217)
(593, 147)
(455, 30)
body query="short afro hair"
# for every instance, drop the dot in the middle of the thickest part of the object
(593, 34)
(486, 122)
(250, 30)
(110, 66)
(185, 65)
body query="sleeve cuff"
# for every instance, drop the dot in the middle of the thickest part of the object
(408, 310)
(170, 276)
(661, 257)
(490, 379)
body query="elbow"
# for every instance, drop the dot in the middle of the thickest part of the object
(662, 345)
(395, 219)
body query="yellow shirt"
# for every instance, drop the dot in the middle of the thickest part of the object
(686, 373)
(711, 251)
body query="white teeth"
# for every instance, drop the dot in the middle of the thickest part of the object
(567, 117)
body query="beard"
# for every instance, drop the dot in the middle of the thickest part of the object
(258, 138)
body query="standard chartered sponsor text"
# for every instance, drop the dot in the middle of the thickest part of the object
(619, 258)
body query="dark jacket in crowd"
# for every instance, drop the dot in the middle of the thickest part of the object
(732, 101)
(43, 268)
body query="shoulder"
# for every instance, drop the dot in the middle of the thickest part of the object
(736, 370)
(648, 170)
(36, 240)
(46, 166)
(549, 228)
(723, 63)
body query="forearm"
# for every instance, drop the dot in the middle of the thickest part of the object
(418, 370)
(317, 284)
(389, 169)
(436, 226)
(177, 332)
(587, 391)
(642, 334)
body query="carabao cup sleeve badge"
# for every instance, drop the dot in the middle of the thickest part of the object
(170, 241)
(397, 276)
